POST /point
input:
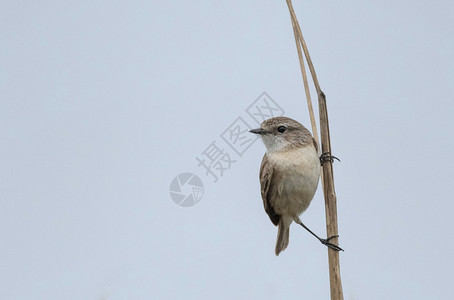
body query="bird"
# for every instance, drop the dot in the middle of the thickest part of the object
(289, 175)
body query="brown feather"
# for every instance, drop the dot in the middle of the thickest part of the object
(315, 144)
(266, 174)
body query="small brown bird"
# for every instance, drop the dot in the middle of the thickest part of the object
(289, 175)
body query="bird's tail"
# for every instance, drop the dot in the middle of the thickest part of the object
(283, 234)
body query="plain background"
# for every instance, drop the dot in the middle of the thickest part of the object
(103, 103)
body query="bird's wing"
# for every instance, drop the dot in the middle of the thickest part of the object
(266, 174)
(315, 144)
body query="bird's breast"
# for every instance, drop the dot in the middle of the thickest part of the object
(295, 179)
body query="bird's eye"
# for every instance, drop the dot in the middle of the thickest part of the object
(281, 129)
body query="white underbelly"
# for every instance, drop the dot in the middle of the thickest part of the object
(298, 176)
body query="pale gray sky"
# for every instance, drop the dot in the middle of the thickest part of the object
(103, 103)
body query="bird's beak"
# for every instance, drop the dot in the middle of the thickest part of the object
(258, 131)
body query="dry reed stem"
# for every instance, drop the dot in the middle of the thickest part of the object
(327, 175)
(306, 85)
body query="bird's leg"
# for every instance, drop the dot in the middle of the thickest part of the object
(323, 241)
(326, 156)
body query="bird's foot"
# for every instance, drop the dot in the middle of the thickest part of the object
(326, 156)
(331, 245)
